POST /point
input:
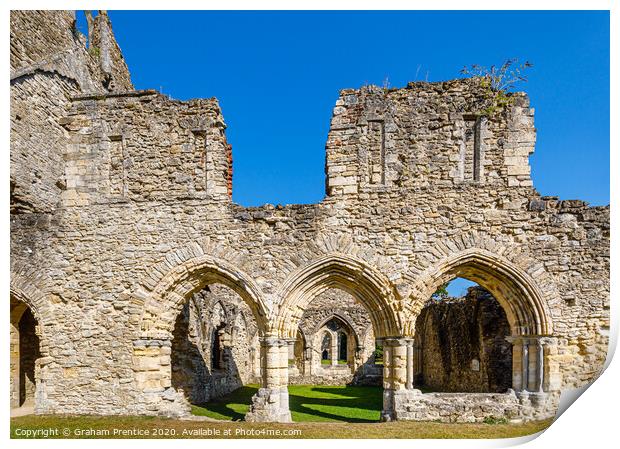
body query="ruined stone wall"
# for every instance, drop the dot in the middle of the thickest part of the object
(476, 407)
(133, 229)
(426, 135)
(37, 141)
(104, 48)
(50, 64)
(35, 35)
(106, 161)
(463, 344)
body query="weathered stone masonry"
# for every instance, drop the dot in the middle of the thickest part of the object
(121, 210)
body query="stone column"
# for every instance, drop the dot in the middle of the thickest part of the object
(151, 364)
(270, 404)
(153, 377)
(284, 373)
(520, 363)
(525, 364)
(334, 350)
(538, 397)
(540, 367)
(410, 356)
(309, 361)
(396, 369)
(528, 362)
(290, 357)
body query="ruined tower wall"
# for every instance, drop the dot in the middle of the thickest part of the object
(38, 141)
(50, 64)
(143, 146)
(427, 135)
(38, 35)
(105, 50)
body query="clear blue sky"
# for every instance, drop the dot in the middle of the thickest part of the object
(277, 76)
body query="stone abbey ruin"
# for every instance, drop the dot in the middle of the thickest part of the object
(139, 287)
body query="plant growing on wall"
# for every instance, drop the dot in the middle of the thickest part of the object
(498, 82)
(441, 292)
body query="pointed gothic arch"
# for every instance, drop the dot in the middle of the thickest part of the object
(162, 303)
(365, 283)
(514, 288)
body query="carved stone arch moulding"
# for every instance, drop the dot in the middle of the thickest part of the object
(184, 272)
(355, 276)
(30, 288)
(521, 285)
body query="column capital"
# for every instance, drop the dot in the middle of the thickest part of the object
(532, 339)
(397, 341)
(273, 341)
(148, 342)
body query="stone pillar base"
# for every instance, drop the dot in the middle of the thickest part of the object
(269, 405)
(538, 405)
(397, 401)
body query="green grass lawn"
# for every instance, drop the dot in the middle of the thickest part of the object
(308, 403)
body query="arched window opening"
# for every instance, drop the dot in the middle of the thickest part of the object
(461, 341)
(217, 348)
(326, 349)
(342, 348)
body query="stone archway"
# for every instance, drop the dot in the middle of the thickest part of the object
(518, 288)
(31, 316)
(521, 298)
(161, 306)
(519, 294)
(365, 283)
(337, 326)
(162, 303)
(25, 351)
(25, 354)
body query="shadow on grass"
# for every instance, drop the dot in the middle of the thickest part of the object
(340, 404)
(307, 404)
(231, 407)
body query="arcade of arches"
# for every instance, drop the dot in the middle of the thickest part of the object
(463, 346)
